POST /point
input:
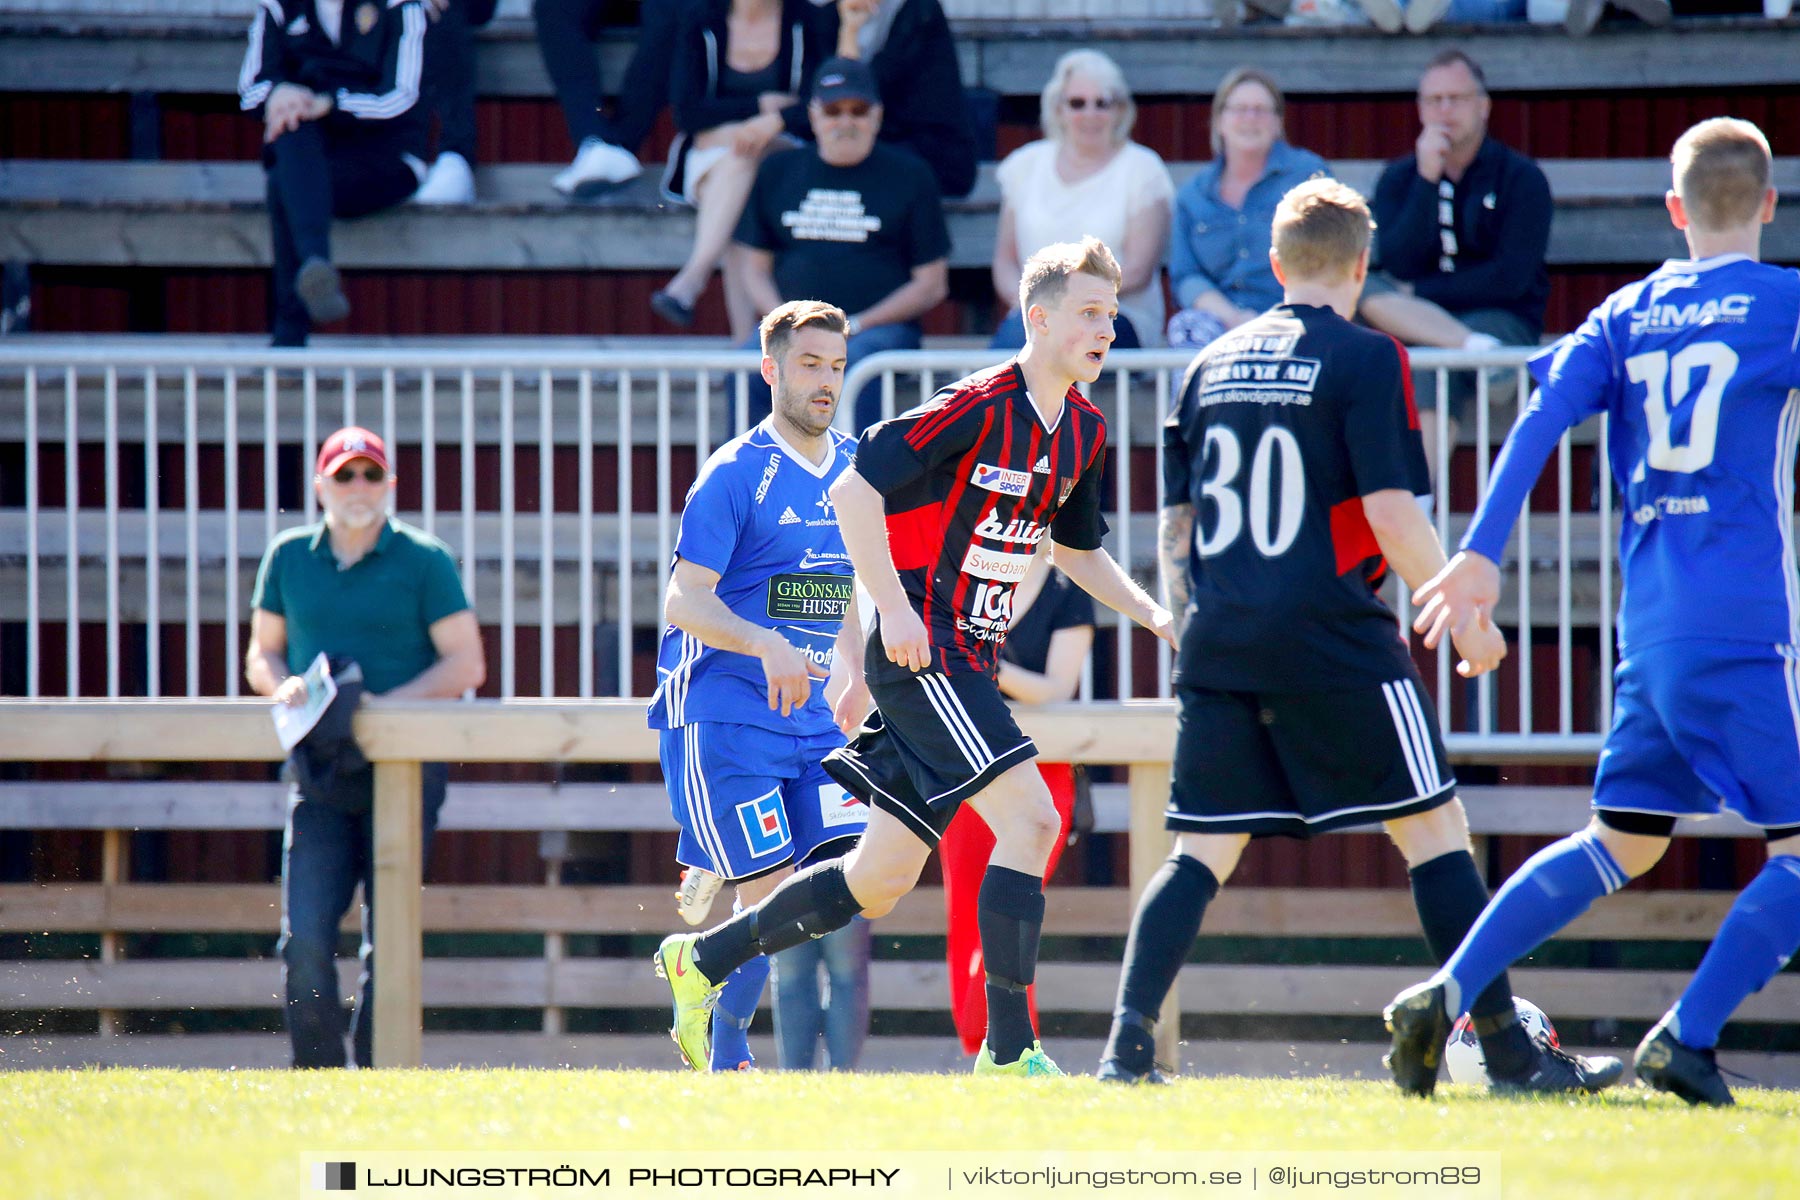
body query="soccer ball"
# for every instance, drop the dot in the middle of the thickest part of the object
(1462, 1053)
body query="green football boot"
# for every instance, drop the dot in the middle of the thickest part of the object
(694, 996)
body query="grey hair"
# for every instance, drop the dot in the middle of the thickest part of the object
(1100, 69)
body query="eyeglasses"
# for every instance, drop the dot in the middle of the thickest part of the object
(1248, 110)
(1100, 103)
(1448, 99)
(846, 110)
(367, 474)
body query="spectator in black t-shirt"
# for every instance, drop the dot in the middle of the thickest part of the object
(1464, 222)
(850, 222)
(908, 47)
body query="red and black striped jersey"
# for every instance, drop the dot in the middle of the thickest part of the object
(973, 480)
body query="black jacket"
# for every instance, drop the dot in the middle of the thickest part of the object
(1501, 221)
(700, 42)
(372, 71)
(923, 106)
(327, 764)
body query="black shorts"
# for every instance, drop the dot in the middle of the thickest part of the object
(1305, 763)
(933, 741)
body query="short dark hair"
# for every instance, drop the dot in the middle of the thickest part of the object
(1721, 172)
(1444, 58)
(777, 329)
(1321, 228)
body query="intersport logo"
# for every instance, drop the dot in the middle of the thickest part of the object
(999, 479)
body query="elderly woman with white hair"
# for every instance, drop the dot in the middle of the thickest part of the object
(1085, 177)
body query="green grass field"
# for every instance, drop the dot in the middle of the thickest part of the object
(144, 1134)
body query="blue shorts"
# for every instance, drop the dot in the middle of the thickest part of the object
(750, 800)
(1700, 726)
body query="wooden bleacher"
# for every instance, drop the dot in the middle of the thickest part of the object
(213, 215)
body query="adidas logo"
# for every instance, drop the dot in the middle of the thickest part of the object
(1041, 466)
(788, 517)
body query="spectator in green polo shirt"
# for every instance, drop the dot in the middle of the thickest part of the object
(358, 585)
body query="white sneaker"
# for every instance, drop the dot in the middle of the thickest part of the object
(450, 181)
(695, 899)
(598, 165)
(1423, 14)
(1385, 15)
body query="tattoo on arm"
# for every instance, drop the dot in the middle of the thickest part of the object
(1174, 542)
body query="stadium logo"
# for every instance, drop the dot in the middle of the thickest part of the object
(989, 564)
(334, 1177)
(999, 479)
(765, 824)
(838, 807)
(1734, 309)
(768, 477)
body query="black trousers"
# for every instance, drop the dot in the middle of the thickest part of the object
(450, 73)
(335, 167)
(566, 32)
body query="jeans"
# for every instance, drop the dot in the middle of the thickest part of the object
(325, 852)
(842, 1015)
(1010, 333)
(903, 335)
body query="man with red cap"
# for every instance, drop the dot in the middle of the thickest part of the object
(359, 586)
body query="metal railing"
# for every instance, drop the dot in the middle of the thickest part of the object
(612, 437)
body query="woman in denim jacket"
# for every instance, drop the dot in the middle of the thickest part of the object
(1219, 251)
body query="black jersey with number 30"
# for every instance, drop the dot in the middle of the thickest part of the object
(973, 480)
(1282, 427)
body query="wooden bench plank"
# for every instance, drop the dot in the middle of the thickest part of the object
(178, 804)
(198, 55)
(649, 909)
(213, 215)
(1238, 990)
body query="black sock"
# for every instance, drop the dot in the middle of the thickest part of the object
(809, 905)
(1010, 911)
(1449, 893)
(1162, 932)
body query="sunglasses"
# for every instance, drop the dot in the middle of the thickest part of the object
(846, 110)
(367, 474)
(1100, 103)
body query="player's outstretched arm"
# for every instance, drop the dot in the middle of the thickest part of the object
(862, 519)
(1409, 542)
(692, 604)
(1096, 573)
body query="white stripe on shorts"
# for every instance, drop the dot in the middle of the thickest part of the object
(956, 721)
(1403, 731)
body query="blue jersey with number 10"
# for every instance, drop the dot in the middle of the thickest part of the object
(1697, 367)
(759, 514)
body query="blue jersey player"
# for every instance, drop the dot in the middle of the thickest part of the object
(758, 608)
(1698, 371)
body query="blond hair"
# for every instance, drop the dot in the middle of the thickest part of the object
(777, 329)
(1722, 172)
(1103, 71)
(1236, 78)
(1046, 274)
(1321, 227)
